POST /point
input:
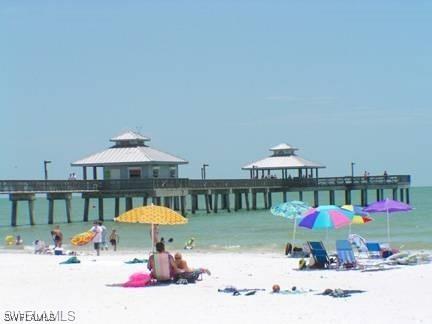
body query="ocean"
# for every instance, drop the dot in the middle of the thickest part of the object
(255, 231)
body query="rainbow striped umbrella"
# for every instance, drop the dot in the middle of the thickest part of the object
(325, 217)
(360, 216)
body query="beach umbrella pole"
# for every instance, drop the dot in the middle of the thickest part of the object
(388, 227)
(294, 231)
(152, 237)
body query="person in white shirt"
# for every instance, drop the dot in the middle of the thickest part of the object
(97, 239)
(104, 245)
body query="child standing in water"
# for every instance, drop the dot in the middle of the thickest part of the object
(114, 239)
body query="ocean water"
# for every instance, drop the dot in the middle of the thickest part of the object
(257, 231)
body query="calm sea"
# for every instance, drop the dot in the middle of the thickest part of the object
(235, 231)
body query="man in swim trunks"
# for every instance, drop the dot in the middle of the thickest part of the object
(57, 236)
(114, 239)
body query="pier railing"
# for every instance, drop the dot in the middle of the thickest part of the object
(78, 186)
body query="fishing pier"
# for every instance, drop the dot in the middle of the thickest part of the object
(132, 169)
(185, 194)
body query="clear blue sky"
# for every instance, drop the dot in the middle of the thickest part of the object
(218, 82)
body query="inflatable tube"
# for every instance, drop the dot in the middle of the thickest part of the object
(190, 244)
(83, 238)
(9, 240)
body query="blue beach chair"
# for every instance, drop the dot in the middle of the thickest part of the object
(345, 255)
(319, 254)
(374, 249)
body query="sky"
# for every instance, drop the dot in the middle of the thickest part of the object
(218, 82)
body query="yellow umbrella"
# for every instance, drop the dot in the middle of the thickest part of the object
(152, 214)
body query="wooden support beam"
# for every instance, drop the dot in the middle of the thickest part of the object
(394, 194)
(50, 211)
(270, 201)
(207, 203)
(31, 211)
(347, 197)
(236, 201)
(86, 209)
(407, 195)
(183, 206)
(116, 206)
(215, 206)
(331, 197)
(68, 203)
(254, 200)
(223, 201)
(101, 208)
(266, 202)
(246, 194)
(401, 194)
(193, 203)
(284, 196)
(301, 195)
(316, 198)
(128, 203)
(14, 214)
(176, 203)
(228, 203)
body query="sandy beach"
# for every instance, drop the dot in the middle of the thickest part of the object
(80, 293)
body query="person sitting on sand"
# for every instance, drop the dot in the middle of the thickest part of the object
(182, 266)
(161, 264)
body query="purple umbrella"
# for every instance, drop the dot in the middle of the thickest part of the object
(387, 206)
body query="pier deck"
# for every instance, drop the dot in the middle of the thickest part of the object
(173, 192)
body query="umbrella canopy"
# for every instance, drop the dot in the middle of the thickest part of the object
(152, 215)
(325, 217)
(358, 220)
(387, 206)
(291, 210)
(360, 217)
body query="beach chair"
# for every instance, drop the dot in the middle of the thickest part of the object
(319, 255)
(345, 255)
(373, 249)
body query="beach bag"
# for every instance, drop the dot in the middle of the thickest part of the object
(302, 264)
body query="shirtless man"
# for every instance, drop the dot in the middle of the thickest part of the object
(57, 236)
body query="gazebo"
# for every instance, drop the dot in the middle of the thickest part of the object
(131, 158)
(283, 159)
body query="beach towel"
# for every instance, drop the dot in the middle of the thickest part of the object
(71, 260)
(237, 292)
(138, 279)
(135, 260)
(340, 293)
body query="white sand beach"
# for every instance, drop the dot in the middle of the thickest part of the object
(39, 283)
